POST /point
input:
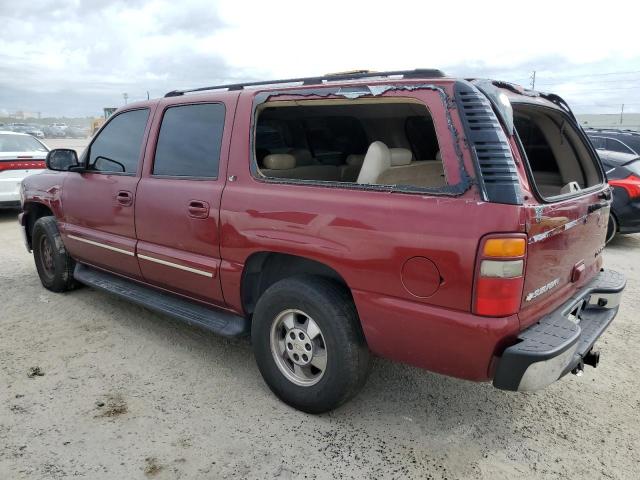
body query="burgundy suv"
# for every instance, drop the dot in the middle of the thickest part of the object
(456, 225)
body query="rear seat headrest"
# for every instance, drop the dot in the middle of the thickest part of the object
(279, 161)
(302, 156)
(355, 159)
(400, 156)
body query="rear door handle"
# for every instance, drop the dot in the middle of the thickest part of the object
(124, 198)
(198, 209)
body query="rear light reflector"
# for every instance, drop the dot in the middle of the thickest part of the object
(631, 184)
(500, 276)
(498, 297)
(21, 165)
(501, 269)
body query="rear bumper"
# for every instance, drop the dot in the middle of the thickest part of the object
(10, 182)
(559, 342)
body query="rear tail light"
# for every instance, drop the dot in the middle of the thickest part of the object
(500, 276)
(631, 184)
(21, 165)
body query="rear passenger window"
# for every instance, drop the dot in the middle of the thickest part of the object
(117, 147)
(189, 141)
(369, 142)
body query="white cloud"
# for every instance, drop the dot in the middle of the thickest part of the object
(76, 56)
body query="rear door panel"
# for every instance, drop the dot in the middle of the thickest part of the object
(177, 218)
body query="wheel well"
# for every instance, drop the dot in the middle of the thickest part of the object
(263, 269)
(34, 211)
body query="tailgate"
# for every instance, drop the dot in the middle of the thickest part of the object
(564, 250)
(566, 219)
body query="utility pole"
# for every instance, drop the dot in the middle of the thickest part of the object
(147, 94)
(621, 112)
(533, 80)
(126, 97)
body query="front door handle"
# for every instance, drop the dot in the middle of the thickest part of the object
(198, 209)
(124, 198)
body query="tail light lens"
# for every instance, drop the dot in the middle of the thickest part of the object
(631, 184)
(500, 276)
(21, 165)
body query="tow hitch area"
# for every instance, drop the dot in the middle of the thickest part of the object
(592, 359)
(562, 341)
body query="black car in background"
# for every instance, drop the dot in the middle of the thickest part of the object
(623, 174)
(622, 141)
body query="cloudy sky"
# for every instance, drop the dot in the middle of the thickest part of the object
(73, 57)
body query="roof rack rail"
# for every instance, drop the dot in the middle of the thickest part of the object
(354, 75)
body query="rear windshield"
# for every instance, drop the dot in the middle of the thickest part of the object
(559, 159)
(20, 143)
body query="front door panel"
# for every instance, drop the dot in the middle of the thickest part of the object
(97, 228)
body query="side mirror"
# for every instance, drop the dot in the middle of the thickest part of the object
(62, 159)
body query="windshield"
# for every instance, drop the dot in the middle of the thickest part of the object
(634, 167)
(20, 143)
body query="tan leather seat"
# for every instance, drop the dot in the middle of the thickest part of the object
(350, 171)
(280, 165)
(405, 171)
(303, 157)
(283, 165)
(376, 161)
(424, 173)
(400, 156)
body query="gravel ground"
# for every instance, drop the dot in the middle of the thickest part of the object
(92, 386)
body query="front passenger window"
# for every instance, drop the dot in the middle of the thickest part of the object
(116, 149)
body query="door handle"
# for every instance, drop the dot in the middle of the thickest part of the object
(198, 209)
(124, 198)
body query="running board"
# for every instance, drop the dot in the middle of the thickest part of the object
(217, 321)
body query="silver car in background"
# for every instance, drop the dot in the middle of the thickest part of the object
(21, 155)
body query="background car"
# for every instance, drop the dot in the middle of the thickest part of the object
(21, 155)
(27, 128)
(75, 132)
(622, 141)
(623, 173)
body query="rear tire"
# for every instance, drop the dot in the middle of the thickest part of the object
(54, 265)
(308, 343)
(612, 228)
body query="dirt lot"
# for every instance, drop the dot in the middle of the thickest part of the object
(94, 387)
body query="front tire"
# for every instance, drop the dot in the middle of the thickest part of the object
(308, 343)
(54, 265)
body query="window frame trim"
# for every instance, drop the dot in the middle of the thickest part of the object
(155, 146)
(458, 189)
